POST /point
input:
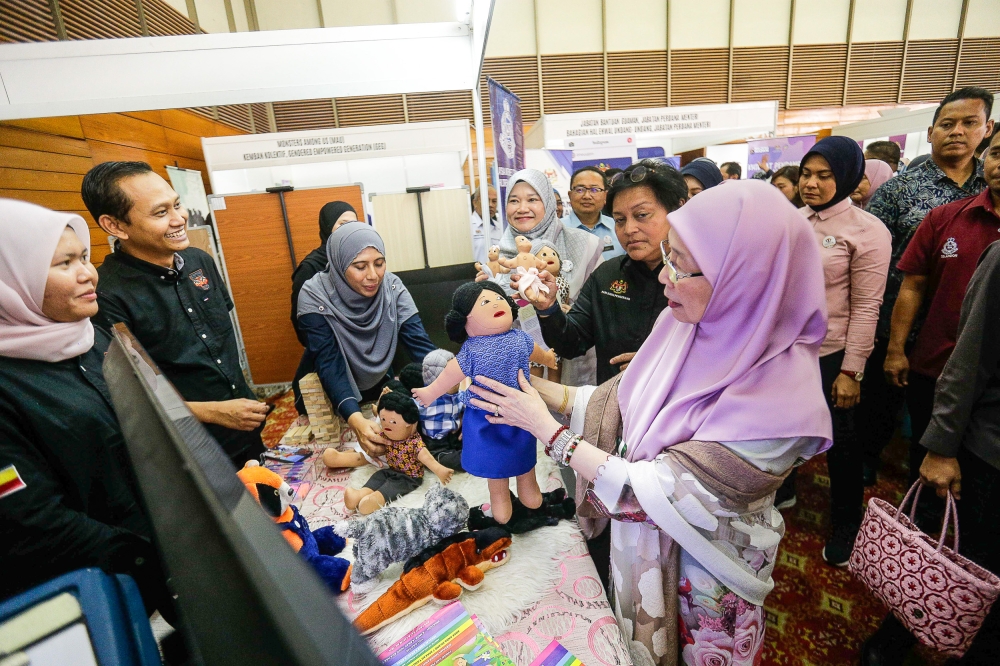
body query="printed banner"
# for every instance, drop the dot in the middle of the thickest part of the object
(508, 138)
(772, 154)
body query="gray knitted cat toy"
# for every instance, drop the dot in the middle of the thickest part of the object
(395, 534)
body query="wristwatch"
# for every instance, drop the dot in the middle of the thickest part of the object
(856, 376)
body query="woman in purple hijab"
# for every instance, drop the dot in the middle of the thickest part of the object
(721, 402)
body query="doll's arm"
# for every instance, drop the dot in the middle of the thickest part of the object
(507, 263)
(443, 473)
(451, 375)
(546, 358)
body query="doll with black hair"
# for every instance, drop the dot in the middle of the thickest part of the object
(406, 457)
(481, 319)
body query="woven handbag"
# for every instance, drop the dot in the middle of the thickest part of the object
(940, 596)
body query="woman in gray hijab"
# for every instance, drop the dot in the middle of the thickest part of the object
(353, 315)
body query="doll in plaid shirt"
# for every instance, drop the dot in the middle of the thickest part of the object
(441, 421)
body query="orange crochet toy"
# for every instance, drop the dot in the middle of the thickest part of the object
(441, 576)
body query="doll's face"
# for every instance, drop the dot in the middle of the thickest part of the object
(494, 253)
(551, 259)
(523, 244)
(490, 315)
(395, 427)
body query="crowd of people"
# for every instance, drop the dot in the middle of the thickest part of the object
(736, 329)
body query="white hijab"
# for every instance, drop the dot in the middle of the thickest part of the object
(29, 235)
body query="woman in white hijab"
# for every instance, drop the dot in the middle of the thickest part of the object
(65, 502)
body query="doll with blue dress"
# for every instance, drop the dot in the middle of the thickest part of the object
(481, 319)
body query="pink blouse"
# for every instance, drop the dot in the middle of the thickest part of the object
(856, 249)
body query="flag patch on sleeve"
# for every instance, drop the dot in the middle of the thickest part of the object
(10, 481)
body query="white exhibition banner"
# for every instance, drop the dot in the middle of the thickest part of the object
(250, 151)
(651, 127)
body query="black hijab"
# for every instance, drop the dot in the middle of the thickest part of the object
(328, 216)
(847, 163)
(316, 261)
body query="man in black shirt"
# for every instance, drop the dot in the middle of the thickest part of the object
(172, 298)
(620, 301)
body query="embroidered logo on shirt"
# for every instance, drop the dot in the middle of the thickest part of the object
(10, 481)
(619, 287)
(949, 249)
(199, 279)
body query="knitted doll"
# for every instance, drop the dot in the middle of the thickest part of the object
(406, 456)
(481, 319)
(553, 264)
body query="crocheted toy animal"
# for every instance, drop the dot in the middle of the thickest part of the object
(439, 574)
(395, 534)
(318, 547)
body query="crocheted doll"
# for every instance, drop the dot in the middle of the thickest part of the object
(481, 319)
(493, 267)
(406, 456)
(527, 265)
(553, 264)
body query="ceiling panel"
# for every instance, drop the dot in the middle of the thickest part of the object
(569, 26)
(879, 20)
(983, 19)
(699, 24)
(821, 21)
(512, 30)
(935, 19)
(286, 14)
(637, 25)
(761, 22)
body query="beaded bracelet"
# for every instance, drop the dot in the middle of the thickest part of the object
(559, 431)
(571, 449)
(559, 447)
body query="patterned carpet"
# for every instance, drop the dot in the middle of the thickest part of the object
(817, 615)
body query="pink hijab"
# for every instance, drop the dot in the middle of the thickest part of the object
(750, 369)
(29, 235)
(877, 173)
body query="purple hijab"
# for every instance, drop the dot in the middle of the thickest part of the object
(877, 172)
(750, 369)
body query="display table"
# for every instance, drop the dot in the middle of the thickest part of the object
(574, 610)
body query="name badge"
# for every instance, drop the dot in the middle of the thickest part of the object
(608, 244)
(829, 241)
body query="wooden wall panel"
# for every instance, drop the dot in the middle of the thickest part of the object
(637, 79)
(874, 73)
(818, 75)
(26, 21)
(699, 76)
(520, 74)
(252, 235)
(375, 110)
(44, 160)
(447, 105)
(760, 74)
(573, 82)
(980, 64)
(929, 70)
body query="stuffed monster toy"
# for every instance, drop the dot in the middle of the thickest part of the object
(481, 319)
(406, 456)
(319, 547)
(395, 534)
(526, 265)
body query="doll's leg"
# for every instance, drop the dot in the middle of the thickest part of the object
(335, 458)
(371, 503)
(500, 500)
(528, 491)
(353, 497)
(555, 374)
(538, 372)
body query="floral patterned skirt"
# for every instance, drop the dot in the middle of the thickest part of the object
(713, 626)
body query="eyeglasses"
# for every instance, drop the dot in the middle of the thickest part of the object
(635, 173)
(673, 274)
(583, 190)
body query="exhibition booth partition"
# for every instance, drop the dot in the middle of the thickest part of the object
(407, 180)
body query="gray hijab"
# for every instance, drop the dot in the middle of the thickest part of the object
(578, 250)
(367, 329)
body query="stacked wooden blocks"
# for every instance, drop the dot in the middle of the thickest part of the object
(297, 436)
(323, 422)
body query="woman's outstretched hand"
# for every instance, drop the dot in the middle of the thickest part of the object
(522, 408)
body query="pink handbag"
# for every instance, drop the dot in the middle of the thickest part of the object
(940, 596)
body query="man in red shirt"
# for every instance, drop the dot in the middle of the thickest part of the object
(938, 264)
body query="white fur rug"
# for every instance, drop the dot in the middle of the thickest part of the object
(531, 570)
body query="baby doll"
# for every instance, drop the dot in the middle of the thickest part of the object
(481, 319)
(493, 267)
(527, 266)
(405, 455)
(553, 264)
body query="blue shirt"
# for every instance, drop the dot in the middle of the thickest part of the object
(498, 357)
(604, 230)
(902, 203)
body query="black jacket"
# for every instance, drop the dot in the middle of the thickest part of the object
(614, 312)
(75, 506)
(315, 262)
